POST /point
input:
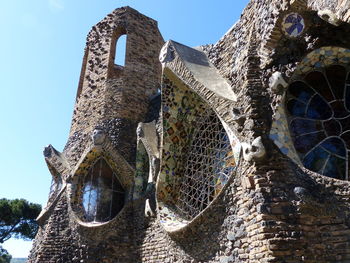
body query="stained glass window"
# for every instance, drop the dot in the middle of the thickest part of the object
(103, 195)
(318, 108)
(210, 162)
(56, 185)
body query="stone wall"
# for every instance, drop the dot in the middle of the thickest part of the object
(271, 210)
(301, 216)
(111, 101)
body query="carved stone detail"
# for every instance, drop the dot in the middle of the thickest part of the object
(254, 151)
(277, 81)
(166, 53)
(98, 136)
(330, 17)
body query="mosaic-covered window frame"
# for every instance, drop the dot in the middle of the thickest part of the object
(185, 120)
(315, 113)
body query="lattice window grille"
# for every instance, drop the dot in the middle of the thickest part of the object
(208, 166)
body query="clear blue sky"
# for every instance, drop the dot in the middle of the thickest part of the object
(41, 50)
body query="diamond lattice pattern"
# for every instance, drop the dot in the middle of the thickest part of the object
(209, 164)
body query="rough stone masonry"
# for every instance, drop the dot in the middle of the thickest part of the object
(236, 151)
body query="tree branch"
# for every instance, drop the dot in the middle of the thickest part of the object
(7, 235)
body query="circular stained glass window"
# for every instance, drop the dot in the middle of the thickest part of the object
(319, 119)
(293, 25)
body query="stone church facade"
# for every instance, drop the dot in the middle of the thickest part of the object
(230, 152)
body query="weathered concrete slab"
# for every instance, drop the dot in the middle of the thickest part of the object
(203, 71)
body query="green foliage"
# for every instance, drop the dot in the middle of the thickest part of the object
(5, 257)
(17, 219)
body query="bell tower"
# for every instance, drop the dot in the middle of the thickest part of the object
(89, 212)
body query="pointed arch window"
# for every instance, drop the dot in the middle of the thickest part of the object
(103, 196)
(56, 186)
(117, 59)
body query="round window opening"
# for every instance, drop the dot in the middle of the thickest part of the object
(102, 195)
(318, 107)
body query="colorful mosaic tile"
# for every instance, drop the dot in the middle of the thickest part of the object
(293, 25)
(280, 134)
(142, 170)
(323, 57)
(182, 110)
